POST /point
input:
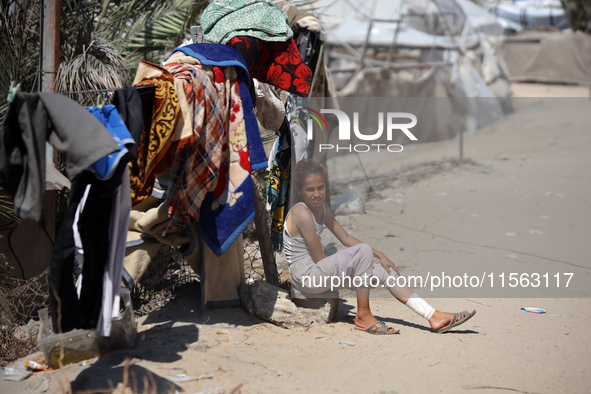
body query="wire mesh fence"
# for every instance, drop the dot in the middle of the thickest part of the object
(253, 262)
(19, 301)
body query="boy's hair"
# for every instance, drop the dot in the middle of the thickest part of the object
(305, 168)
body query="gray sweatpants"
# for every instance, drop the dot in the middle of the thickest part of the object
(346, 269)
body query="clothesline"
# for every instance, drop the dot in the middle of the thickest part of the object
(89, 71)
(83, 72)
(104, 90)
(93, 90)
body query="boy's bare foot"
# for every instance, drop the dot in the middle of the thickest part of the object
(365, 320)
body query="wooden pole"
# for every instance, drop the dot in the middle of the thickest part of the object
(51, 43)
(50, 52)
(262, 224)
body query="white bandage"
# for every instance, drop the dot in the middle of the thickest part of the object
(420, 306)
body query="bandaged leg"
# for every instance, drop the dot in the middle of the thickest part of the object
(420, 306)
(403, 293)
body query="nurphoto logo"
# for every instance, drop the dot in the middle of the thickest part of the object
(395, 122)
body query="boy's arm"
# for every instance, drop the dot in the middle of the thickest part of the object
(349, 240)
(302, 220)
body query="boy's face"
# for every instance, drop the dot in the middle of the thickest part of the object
(313, 190)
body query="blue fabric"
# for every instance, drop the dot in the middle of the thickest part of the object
(221, 227)
(225, 56)
(216, 55)
(105, 167)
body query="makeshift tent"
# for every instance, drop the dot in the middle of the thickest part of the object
(417, 48)
(549, 57)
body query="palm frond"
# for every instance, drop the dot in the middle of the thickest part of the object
(99, 67)
(164, 28)
(19, 34)
(7, 209)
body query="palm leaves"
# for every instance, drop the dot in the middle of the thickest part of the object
(99, 66)
(101, 41)
(113, 36)
(19, 32)
(148, 29)
(7, 208)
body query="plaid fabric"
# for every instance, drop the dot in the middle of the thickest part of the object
(198, 159)
(229, 204)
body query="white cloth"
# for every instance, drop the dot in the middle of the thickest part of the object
(78, 239)
(299, 142)
(269, 110)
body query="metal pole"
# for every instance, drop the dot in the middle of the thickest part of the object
(461, 144)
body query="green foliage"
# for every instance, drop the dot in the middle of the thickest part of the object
(7, 208)
(153, 32)
(19, 34)
(101, 41)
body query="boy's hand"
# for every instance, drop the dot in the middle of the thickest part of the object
(388, 264)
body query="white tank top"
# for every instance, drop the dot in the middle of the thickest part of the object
(295, 247)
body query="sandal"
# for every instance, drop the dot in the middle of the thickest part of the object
(378, 328)
(457, 319)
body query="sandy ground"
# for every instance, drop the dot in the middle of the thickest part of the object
(521, 204)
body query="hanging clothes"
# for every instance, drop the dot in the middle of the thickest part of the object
(227, 205)
(222, 56)
(290, 147)
(93, 226)
(70, 311)
(224, 19)
(300, 143)
(269, 110)
(113, 272)
(105, 167)
(299, 19)
(30, 122)
(119, 219)
(276, 63)
(197, 162)
(156, 151)
(128, 102)
(278, 197)
(260, 31)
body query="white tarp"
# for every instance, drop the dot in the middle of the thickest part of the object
(354, 32)
(527, 14)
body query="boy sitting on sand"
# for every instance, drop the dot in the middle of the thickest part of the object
(308, 263)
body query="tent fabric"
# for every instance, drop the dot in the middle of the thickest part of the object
(523, 15)
(354, 32)
(548, 57)
(483, 21)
